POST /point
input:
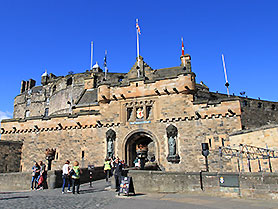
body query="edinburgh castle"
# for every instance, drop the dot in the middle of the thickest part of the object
(91, 115)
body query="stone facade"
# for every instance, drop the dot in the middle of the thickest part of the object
(10, 155)
(74, 113)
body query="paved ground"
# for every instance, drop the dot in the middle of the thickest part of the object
(100, 197)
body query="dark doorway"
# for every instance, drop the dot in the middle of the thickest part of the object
(136, 139)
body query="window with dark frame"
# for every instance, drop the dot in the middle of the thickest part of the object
(129, 113)
(27, 113)
(46, 111)
(148, 112)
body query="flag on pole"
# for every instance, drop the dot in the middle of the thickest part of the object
(137, 26)
(182, 47)
(105, 59)
(105, 65)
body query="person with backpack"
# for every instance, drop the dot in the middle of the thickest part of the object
(75, 177)
(66, 177)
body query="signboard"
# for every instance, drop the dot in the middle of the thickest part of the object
(139, 122)
(126, 186)
(228, 180)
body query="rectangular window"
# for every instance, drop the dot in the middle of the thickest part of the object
(129, 114)
(27, 114)
(148, 112)
(46, 112)
(28, 102)
(47, 101)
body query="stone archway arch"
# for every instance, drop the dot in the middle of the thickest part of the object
(133, 137)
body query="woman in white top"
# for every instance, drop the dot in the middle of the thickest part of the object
(66, 176)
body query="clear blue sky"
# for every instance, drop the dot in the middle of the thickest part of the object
(56, 35)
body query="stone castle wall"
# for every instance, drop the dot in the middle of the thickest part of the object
(257, 113)
(10, 155)
(265, 137)
(71, 135)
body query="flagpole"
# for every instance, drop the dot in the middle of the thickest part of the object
(92, 50)
(225, 72)
(105, 65)
(138, 64)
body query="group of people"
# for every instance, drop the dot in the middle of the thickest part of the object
(114, 167)
(39, 176)
(71, 176)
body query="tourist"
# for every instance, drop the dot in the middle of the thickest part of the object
(118, 174)
(42, 177)
(66, 177)
(137, 163)
(35, 175)
(75, 177)
(107, 168)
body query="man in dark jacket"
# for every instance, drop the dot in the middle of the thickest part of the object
(118, 173)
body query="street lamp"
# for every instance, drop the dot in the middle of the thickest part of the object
(205, 153)
(49, 156)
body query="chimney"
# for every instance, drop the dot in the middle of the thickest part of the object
(22, 89)
(32, 83)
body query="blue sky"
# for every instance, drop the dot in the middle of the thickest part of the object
(56, 35)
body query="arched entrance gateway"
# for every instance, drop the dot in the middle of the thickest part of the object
(138, 140)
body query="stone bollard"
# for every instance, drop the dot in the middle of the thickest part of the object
(52, 181)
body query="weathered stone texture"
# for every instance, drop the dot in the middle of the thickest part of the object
(10, 155)
(84, 106)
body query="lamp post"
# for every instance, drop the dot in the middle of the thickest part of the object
(49, 156)
(205, 153)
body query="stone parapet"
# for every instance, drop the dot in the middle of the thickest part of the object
(247, 185)
(22, 180)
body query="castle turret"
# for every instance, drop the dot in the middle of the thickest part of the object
(44, 79)
(185, 59)
(96, 68)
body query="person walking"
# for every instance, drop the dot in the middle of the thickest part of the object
(76, 177)
(107, 168)
(66, 177)
(118, 174)
(42, 179)
(35, 175)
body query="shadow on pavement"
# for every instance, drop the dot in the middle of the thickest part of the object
(9, 198)
(86, 191)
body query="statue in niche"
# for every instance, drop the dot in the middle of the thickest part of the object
(172, 133)
(110, 138)
(172, 146)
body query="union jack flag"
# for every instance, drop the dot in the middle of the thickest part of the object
(137, 27)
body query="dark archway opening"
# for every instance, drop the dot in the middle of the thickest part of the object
(144, 139)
